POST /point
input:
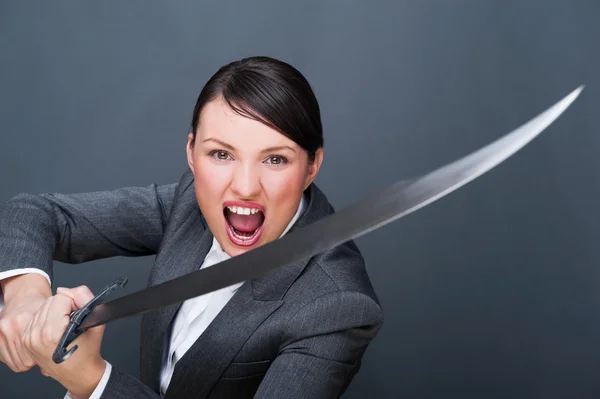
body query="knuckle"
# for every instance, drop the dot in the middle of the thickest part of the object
(84, 290)
(22, 320)
(4, 325)
(33, 344)
(8, 329)
(28, 343)
(80, 288)
(61, 302)
(25, 342)
(29, 363)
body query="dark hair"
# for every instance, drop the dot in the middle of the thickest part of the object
(269, 91)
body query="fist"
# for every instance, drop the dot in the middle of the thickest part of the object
(81, 372)
(14, 320)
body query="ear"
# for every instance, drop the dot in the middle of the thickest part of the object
(189, 149)
(313, 168)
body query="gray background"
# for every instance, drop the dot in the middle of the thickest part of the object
(490, 293)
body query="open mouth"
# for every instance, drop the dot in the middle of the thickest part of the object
(244, 223)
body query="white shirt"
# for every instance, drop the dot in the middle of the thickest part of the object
(193, 317)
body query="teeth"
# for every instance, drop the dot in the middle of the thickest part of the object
(242, 211)
(243, 237)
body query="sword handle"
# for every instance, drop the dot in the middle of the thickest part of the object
(76, 318)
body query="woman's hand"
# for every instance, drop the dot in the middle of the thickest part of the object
(80, 373)
(24, 295)
(14, 319)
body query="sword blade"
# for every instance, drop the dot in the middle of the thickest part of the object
(379, 209)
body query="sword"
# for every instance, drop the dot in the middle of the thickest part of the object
(377, 210)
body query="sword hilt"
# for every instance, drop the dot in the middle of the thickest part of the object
(76, 318)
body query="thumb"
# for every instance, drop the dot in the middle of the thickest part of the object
(80, 295)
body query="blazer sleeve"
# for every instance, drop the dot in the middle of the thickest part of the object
(36, 229)
(123, 386)
(323, 347)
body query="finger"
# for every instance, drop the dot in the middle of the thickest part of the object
(31, 336)
(3, 339)
(27, 361)
(14, 354)
(81, 295)
(41, 319)
(39, 330)
(56, 314)
(60, 307)
(7, 358)
(57, 318)
(68, 293)
(40, 316)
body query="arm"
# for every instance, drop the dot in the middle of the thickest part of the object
(100, 387)
(323, 347)
(115, 384)
(321, 353)
(124, 386)
(85, 375)
(75, 228)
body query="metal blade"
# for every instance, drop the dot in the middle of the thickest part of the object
(379, 209)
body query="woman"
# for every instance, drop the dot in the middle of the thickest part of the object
(254, 150)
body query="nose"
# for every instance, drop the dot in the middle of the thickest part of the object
(245, 183)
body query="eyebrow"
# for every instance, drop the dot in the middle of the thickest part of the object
(232, 148)
(224, 144)
(278, 148)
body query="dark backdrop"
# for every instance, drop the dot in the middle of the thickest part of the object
(490, 293)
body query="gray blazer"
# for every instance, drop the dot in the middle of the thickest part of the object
(297, 332)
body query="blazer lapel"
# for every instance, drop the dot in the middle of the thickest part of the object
(197, 371)
(182, 252)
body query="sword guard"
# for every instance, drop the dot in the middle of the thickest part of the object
(76, 318)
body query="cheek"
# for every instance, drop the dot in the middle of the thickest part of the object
(283, 191)
(283, 186)
(211, 180)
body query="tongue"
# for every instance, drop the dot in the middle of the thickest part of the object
(245, 223)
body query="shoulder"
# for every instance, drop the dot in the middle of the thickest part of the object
(185, 185)
(333, 295)
(336, 275)
(185, 194)
(343, 265)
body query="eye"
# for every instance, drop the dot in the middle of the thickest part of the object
(220, 155)
(276, 160)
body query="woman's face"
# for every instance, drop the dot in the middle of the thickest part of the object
(249, 178)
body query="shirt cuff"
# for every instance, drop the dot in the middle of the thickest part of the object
(16, 272)
(101, 385)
